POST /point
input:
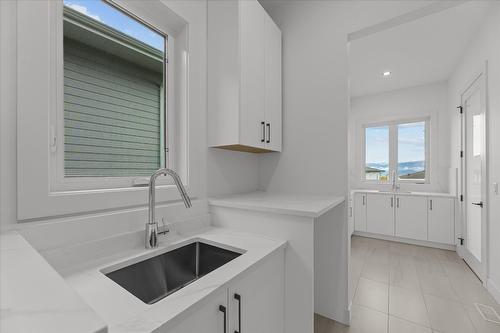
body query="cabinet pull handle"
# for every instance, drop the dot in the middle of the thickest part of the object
(268, 132)
(364, 200)
(392, 202)
(397, 202)
(238, 298)
(263, 126)
(430, 205)
(222, 309)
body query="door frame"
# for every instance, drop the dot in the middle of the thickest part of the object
(480, 269)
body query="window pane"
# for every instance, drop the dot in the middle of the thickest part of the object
(377, 153)
(411, 151)
(113, 93)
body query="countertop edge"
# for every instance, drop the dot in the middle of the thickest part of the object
(229, 202)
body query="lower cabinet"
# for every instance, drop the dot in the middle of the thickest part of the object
(380, 214)
(427, 218)
(441, 221)
(253, 303)
(360, 211)
(411, 217)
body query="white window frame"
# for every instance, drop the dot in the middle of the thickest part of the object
(39, 91)
(393, 150)
(58, 180)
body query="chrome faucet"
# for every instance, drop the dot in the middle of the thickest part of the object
(152, 225)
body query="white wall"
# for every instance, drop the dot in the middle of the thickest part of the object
(428, 100)
(224, 172)
(315, 91)
(485, 47)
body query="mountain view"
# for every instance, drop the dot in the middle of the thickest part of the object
(404, 168)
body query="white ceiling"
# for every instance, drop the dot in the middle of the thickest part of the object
(418, 52)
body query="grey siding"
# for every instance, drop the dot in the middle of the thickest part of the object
(111, 114)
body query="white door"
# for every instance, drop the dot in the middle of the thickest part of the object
(441, 221)
(273, 86)
(252, 57)
(207, 319)
(474, 177)
(380, 214)
(257, 301)
(360, 212)
(411, 217)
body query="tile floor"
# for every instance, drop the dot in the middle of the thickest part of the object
(400, 288)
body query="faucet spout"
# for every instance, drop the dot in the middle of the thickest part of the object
(152, 225)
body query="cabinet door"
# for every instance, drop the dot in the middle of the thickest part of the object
(380, 214)
(256, 302)
(252, 80)
(411, 217)
(208, 318)
(273, 86)
(441, 223)
(360, 212)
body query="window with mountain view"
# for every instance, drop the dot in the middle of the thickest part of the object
(398, 148)
(377, 153)
(411, 151)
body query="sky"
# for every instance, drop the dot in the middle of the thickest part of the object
(411, 143)
(104, 13)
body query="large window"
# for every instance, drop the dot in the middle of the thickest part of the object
(397, 149)
(114, 94)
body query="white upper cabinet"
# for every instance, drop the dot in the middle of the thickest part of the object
(244, 77)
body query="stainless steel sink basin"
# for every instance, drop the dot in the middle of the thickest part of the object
(152, 279)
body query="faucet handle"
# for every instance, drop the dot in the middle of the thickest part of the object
(163, 230)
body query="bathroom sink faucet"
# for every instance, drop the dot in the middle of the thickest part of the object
(152, 225)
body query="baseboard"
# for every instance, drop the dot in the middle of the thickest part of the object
(493, 289)
(406, 240)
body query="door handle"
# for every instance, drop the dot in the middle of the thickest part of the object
(222, 309)
(263, 126)
(238, 298)
(364, 200)
(480, 204)
(397, 202)
(392, 202)
(268, 133)
(430, 204)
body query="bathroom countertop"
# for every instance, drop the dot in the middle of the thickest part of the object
(280, 203)
(123, 312)
(35, 298)
(424, 194)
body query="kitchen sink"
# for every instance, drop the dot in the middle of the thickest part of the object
(152, 279)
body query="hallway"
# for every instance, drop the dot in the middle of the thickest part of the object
(412, 289)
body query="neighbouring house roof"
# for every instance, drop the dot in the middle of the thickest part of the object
(373, 170)
(103, 37)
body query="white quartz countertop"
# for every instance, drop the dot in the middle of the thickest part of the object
(35, 298)
(280, 203)
(123, 312)
(423, 194)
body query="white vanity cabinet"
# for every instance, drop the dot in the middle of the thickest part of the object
(428, 217)
(252, 303)
(244, 77)
(360, 211)
(441, 220)
(208, 318)
(380, 213)
(256, 302)
(411, 217)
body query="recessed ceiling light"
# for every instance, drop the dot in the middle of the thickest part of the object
(386, 73)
